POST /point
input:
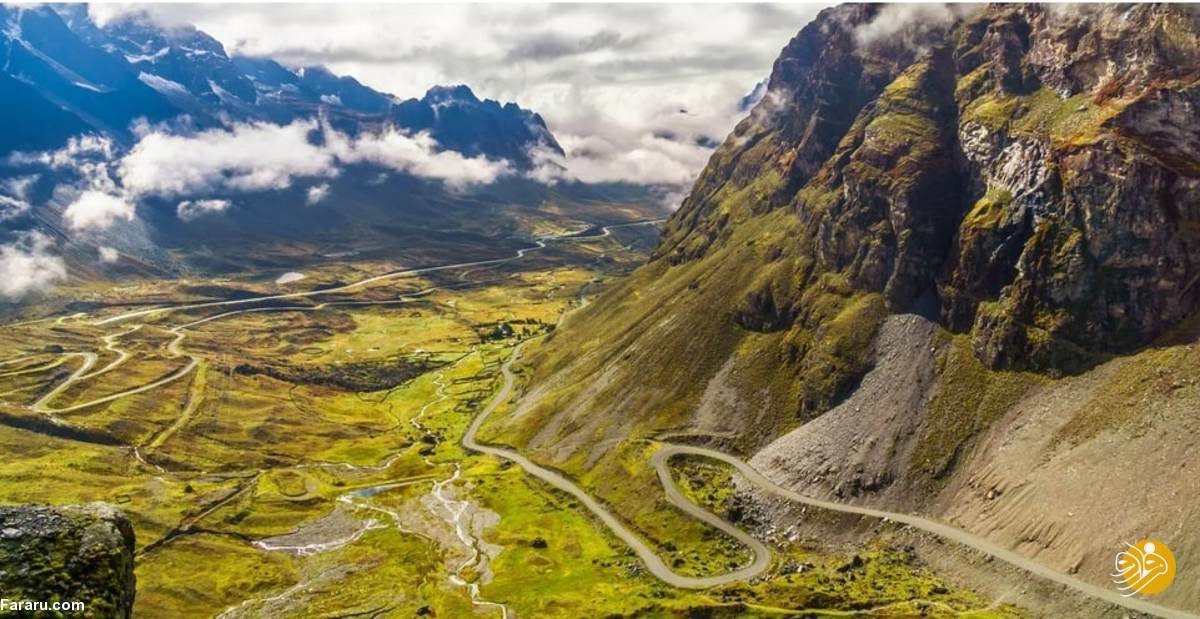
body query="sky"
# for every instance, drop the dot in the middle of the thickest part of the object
(629, 90)
(638, 93)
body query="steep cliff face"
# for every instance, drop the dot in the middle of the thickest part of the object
(1036, 167)
(1021, 174)
(78, 553)
(1022, 180)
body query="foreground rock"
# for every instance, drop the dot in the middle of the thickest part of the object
(78, 553)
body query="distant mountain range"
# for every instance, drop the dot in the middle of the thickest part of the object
(63, 75)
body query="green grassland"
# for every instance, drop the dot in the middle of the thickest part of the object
(310, 465)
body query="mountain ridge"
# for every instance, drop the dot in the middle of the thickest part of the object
(970, 278)
(1006, 175)
(160, 73)
(83, 98)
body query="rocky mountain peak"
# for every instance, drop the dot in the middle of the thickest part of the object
(449, 94)
(1019, 164)
(65, 71)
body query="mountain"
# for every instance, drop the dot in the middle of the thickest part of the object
(34, 123)
(97, 88)
(64, 77)
(947, 265)
(108, 76)
(458, 120)
(752, 98)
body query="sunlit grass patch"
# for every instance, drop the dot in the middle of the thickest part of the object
(557, 562)
(630, 485)
(203, 574)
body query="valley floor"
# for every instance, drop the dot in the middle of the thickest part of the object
(293, 447)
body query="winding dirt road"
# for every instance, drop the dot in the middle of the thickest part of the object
(539, 243)
(660, 460)
(193, 362)
(662, 457)
(762, 555)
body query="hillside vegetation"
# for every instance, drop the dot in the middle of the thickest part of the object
(1024, 179)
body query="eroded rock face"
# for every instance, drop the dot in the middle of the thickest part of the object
(1039, 168)
(1025, 175)
(78, 553)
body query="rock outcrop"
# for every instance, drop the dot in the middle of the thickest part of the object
(78, 553)
(1036, 167)
(1024, 182)
(1025, 175)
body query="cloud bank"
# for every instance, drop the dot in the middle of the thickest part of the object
(653, 160)
(189, 210)
(97, 210)
(606, 78)
(246, 157)
(417, 155)
(27, 267)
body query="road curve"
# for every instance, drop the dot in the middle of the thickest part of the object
(762, 556)
(539, 243)
(173, 347)
(89, 359)
(930, 526)
(176, 351)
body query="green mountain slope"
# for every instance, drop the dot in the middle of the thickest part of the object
(1022, 179)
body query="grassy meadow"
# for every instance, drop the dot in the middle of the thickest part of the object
(300, 457)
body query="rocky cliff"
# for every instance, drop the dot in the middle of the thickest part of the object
(1035, 167)
(1025, 175)
(932, 217)
(68, 554)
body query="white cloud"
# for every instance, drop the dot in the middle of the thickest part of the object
(97, 210)
(653, 161)
(904, 23)
(19, 185)
(11, 207)
(78, 150)
(416, 154)
(316, 194)
(247, 157)
(107, 255)
(619, 73)
(27, 267)
(189, 210)
(15, 199)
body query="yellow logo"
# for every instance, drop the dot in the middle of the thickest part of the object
(1146, 567)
